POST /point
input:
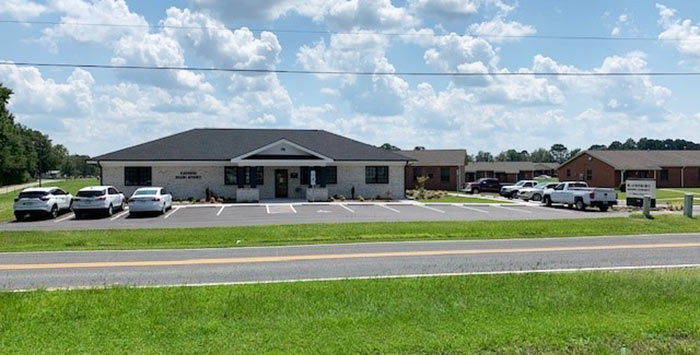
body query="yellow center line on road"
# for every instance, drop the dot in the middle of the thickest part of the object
(290, 258)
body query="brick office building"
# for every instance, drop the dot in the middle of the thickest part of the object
(609, 168)
(443, 167)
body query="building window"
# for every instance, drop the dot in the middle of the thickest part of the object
(444, 174)
(417, 172)
(664, 175)
(589, 174)
(231, 175)
(376, 174)
(568, 172)
(260, 176)
(137, 176)
(332, 175)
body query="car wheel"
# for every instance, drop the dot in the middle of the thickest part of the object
(110, 210)
(162, 209)
(54, 212)
(121, 206)
(19, 217)
(548, 201)
(604, 208)
(537, 197)
(580, 206)
(475, 191)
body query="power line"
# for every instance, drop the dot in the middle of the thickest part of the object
(343, 72)
(360, 33)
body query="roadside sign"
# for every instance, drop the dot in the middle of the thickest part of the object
(637, 189)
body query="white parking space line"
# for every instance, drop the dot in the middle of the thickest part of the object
(472, 209)
(293, 209)
(523, 210)
(389, 208)
(220, 210)
(556, 209)
(431, 208)
(346, 207)
(171, 212)
(119, 215)
(267, 208)
(68, 216)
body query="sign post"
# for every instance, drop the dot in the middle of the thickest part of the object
(637, 189)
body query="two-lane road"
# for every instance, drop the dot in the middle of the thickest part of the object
(271, 264)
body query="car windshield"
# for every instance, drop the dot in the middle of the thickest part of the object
(146, 192)
(91, 193)
(541, 185)
(33, 194)
(520, 183)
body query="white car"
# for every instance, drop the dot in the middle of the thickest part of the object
(150, 199)
(535, 193)
(48, 201)
(101, 199)
(511, 191)
(578, 194)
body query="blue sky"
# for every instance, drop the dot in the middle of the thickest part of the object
(98, 110)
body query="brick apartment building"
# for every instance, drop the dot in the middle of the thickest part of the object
(443, 167)
(509, 171)
(609, 168)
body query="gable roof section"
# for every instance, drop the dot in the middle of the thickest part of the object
(211, 144)
(645, 159)
(509, 167)
(437, 157)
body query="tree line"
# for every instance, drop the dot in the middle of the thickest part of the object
(25, 153)
(559, 153)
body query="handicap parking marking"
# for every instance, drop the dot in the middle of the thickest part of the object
(388, 208)
(323, 211)
(472, 208)
(175, 209)
(430, 208)
(221, 210)
(346, 208)
(122, 213)
(280, 209)
(66, 217)
(521, 209)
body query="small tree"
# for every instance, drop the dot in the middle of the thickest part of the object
(420, 182)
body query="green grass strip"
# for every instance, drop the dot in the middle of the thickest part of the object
(636, 312)
(337, 233)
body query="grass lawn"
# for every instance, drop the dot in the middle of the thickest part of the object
(337, 233)
(669, 194)
(462, 199)
(72, 186)
(622, 312)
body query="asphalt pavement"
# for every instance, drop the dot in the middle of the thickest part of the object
(21, 271)
(300, 213)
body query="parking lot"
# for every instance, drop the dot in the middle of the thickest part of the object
(211, 215)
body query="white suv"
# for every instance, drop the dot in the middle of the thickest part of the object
(49, 201)
(102, 199)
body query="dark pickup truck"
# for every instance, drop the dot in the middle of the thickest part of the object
(483, 185)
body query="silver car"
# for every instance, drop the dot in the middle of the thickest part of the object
(535, 193)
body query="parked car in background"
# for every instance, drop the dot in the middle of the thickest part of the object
(483, 185)
(98, 199)
(150, 199)
(579, 195)
(46, 201)
(511, 191)
(535, 193)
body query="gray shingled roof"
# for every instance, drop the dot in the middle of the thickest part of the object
(510, 167)
(646, 159)
(437, 157)
(224, 144)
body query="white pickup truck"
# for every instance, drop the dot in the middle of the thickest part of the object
(579, 195)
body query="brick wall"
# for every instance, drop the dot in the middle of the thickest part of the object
(435, 182)
(603, 174)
